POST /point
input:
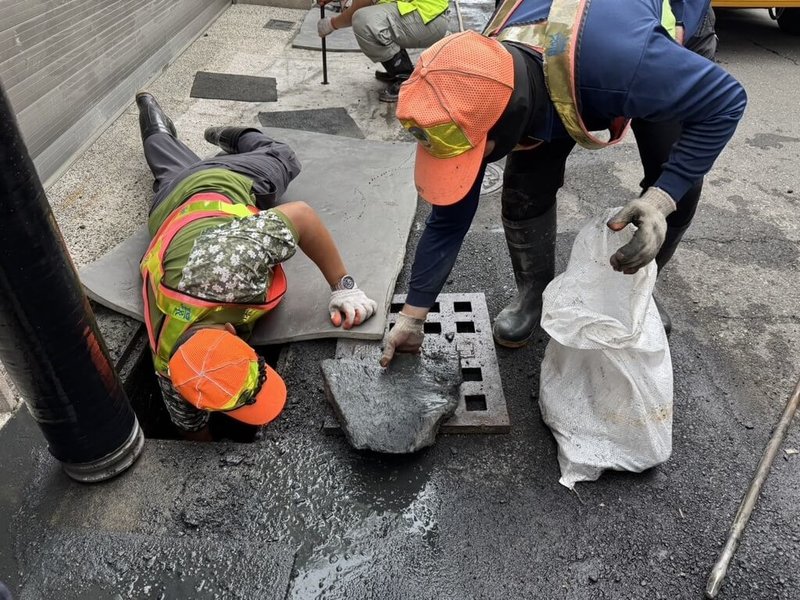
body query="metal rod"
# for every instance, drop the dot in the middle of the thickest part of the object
(324, 49)
(749, 501)
(49, 340)
(458, 14)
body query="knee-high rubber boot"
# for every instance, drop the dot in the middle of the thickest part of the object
(152, 118)
(671, 241)
(226, 137)
(400, 68)
(532, 245)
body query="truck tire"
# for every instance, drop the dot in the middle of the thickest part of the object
(789, 20)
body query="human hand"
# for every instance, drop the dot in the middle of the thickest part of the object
(406, 336)
(325, 27)
(649, 213)
(354, 304)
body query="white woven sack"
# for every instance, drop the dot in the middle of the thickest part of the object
(606, 380)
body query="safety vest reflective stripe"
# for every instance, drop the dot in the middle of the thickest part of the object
(170, 313)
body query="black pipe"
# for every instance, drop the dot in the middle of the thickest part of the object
(49, 340)
(324, 49)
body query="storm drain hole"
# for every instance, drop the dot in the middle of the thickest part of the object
(432, 328)
(465, 327)
(462, 306)
(471, 374)
(396, 307)
(435, 307)
(475, 402)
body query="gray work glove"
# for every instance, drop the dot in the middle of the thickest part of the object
(649, 213)
(405, 336)
(354, 304)
(325, 27)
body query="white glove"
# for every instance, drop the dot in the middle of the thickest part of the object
(354, 304)
(407, 335)
(325, 27)
(649, 213)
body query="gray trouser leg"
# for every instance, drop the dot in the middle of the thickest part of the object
(381, 31)
(270, 164)
(167, 158)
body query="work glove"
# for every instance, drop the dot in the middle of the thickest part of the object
(405, 336)
(649, 213)
(325, 27)
(354, 304)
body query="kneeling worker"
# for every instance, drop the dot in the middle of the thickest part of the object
(213, 268)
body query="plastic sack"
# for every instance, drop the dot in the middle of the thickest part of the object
(606, 380)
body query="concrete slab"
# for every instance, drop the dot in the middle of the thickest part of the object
(460, 321)
(307, 38)
(368, 203)
(227, 86)
(333, 121)
(396, 410)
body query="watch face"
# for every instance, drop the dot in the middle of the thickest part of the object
(347, 283)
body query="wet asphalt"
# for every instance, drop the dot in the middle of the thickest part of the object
(299, 514)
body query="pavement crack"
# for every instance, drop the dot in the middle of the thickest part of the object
(776, 53)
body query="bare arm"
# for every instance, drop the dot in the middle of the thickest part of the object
(315, 240)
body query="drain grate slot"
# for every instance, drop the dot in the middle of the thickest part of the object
(432, 327)
(471, 374)
(474, 402)
(280, 25)
(462, 306)
(465, 327)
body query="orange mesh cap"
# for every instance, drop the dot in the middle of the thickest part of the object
(457, 92)
(215, 370)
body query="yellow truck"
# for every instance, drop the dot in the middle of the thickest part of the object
(785, 12)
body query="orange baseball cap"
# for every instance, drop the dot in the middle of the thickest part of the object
(216, 370)
(457, 92)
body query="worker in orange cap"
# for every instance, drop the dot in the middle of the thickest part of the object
(213, 268)
(544, 76)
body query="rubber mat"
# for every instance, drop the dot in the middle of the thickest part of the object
(333, 121)
(366, 198)
(226, 86)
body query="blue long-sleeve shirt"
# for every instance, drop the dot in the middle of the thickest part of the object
(628, 66)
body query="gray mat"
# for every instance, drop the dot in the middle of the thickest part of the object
(366, 198)
(225, 86)
(307, 38)
(334, 121)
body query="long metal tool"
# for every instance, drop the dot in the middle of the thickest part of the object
(324, 49)
(458, 14)
(749, 501)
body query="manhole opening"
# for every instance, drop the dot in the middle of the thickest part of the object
(432, 327)
(142, 389)
(465, 327)
(462, 306)
(471, 374)
(475, 402)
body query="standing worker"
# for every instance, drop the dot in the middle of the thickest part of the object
(473, 99)
(385, 29)
(213, 268)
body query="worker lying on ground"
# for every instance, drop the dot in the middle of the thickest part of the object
(474, 99)
(213, 268)
(384, 29)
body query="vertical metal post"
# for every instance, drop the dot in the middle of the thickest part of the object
(324, 49)
(49, 340)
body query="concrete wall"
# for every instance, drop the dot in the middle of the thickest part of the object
(70, 67)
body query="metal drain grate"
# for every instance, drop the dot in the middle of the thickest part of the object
(460, 319)
(280, 25)
(492, 179)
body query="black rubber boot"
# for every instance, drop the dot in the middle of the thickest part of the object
(226, 137)
(152, 118)
(400, 67)
(389, 75)
(671, 241)
(532, 245)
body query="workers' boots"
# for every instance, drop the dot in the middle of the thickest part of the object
(388, 76)
(671, 241)
(532, 245)
(399, 68)
(227, 138)
(152, 118)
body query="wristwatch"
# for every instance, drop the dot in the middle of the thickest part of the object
(345, 283)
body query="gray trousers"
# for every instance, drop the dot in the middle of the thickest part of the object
(270, 164)
(381, 31)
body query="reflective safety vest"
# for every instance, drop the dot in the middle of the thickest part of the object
(169, 313)
(557, 39)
